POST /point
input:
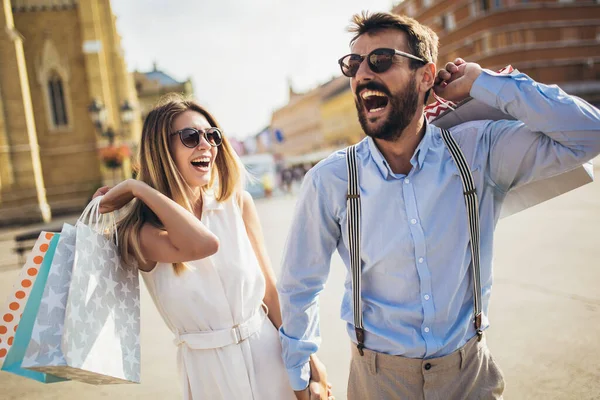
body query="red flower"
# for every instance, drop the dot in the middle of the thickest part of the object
(113, 156)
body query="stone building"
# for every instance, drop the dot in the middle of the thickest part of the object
(553, 41)
(65, 94)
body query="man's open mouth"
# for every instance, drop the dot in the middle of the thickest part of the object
(374, 101)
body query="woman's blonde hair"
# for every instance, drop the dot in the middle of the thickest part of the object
(157, 168)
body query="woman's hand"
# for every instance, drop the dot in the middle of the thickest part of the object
(117, 197)
(101, 192)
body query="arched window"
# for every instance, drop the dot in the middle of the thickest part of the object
(57, 101)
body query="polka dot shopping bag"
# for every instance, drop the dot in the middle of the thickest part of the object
(21, 307)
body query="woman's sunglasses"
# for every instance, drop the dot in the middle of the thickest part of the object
(379, 60)
(190, 137)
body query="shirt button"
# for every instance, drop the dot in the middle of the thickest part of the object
(426, 330)
(413, 221)
(426, 297)
(421, 260)
(427, 366)
(406, 181)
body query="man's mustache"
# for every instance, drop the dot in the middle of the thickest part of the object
(372, 86)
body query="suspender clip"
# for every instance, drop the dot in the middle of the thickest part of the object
(477, 323)
(360, 337)
(353, 196)
(469, 192)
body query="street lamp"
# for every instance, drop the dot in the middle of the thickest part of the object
(126, 113)
(98, 115)
(112, 156)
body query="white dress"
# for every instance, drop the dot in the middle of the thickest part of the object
(218, 293)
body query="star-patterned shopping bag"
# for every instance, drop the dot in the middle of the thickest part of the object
(23, 332)
(44, 352)
(101, 337)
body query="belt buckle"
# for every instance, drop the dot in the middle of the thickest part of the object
(237, 334)
(244, 330)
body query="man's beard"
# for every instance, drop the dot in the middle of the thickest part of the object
(403, 107)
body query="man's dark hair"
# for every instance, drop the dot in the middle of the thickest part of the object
(422, 41)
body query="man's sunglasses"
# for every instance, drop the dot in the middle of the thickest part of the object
(190, 137)
(379, 60)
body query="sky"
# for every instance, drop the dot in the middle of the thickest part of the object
(240, 54)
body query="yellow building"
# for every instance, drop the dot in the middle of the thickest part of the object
(315, 124)
(299, 123)
(339, 118)
(58, 58)
(151, 86)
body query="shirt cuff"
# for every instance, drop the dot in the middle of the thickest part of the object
(299, 376)
(487, 87)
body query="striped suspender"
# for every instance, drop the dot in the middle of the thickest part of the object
(472, 205)
(353, 216)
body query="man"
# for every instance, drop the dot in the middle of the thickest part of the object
(421, 339)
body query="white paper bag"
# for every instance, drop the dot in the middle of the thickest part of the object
(101, 335)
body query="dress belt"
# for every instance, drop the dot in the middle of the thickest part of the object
(203, 340)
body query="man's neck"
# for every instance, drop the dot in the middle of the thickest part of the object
(399, 152)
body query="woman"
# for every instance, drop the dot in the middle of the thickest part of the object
(195, 236)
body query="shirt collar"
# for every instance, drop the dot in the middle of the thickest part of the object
(209, 202)
(376, 155)
(417, 160)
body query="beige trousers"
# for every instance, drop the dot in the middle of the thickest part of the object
(469, 373)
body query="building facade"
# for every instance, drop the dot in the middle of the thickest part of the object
(58, 58)
(554, 42)
(338, 114)
(299, 125)
(314, 124)
(151, 86)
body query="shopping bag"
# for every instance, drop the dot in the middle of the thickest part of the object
(12, 361)
(446, 114)
(17, 299)
(101, 337)
(44, 352)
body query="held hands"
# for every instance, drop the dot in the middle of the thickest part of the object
(117, 197)
(318, 388)
(454, 82)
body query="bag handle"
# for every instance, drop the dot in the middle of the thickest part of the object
(87, 211)
(99, 222)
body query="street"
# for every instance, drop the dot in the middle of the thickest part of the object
(545, 309)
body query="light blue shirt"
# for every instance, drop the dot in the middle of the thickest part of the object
(416, 286)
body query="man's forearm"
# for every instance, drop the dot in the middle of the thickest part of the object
(568, 120)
